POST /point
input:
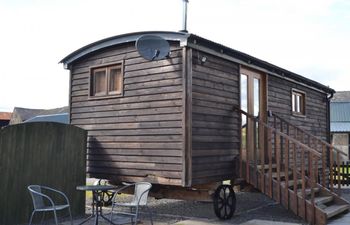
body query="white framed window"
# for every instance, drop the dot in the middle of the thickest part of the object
(298, 102)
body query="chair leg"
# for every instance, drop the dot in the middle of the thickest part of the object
(112, 214)
(70, 216)
(55, 215)
(42, 218)
(150, 214)
(136, 214)
(31, 217)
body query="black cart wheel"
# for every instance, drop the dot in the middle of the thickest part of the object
(224, 202)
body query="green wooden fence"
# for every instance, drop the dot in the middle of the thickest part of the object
(43, 153)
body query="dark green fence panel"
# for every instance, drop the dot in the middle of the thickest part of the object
(45, 153)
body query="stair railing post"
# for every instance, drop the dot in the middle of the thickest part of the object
(255, 149)
(270, 136)
(247, 151)
(303, 182)
(278, 162)
(313, 185)
(241, 150)
(324, 164)
(310, 161)
(295, 175)
(347, 173)
(282, 142)
(331, 172)
(286, 170)
(338, 173)
(262, 148)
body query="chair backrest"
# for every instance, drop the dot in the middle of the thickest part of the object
(141, 192)
(38, 201)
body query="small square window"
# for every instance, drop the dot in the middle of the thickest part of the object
(298, 102)
(106, 81)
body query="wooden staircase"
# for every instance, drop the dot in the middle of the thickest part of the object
(287, 167)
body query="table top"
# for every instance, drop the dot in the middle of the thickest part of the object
(96, 187)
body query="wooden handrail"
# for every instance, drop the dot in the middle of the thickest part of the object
(313, 151)
(311, 135)
(281, 157)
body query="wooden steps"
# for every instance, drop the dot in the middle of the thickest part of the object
(323, 200)
(290, 159)
(327, 204)
(308, 191)
(334, 210)
(282, 174)
(291, 183)
(266, 166)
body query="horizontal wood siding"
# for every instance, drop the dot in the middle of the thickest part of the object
(215, 126)
(138, 136)
(280, 101)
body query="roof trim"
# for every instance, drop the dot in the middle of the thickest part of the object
(192, 40)
(119, 39)
(254, 62)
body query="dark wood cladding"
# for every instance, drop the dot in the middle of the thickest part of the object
(175, 123)
(138, 136)
(280, 101)
(215, 127)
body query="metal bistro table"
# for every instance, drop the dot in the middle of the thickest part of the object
(97, 200)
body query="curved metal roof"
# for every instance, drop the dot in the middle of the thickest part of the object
(120, 39)
(193, 41)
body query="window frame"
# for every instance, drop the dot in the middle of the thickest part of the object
(107, 92)
(302, 94)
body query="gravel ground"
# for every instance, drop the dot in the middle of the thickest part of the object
(250, 205)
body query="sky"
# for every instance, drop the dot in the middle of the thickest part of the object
(308, 37)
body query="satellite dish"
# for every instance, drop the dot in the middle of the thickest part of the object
(152, 47)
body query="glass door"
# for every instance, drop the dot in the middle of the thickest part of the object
(253, 101)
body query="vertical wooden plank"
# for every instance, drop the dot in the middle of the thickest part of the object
(331, 166)
(282, 142)
(187, 116)
(270, 161)
(295, 175)
(309, 163)
(303, 181)
(347, 173)
(262, 156)
(278, 161)
(255, 158)
(247, 154)
(70, 96)
(313, 186)
(338, 173)
(240, 124)
(286, 170)
(324, 165)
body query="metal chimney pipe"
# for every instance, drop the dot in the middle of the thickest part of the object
(184, 16)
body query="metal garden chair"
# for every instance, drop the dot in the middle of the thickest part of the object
(42, 202)
(139, 199)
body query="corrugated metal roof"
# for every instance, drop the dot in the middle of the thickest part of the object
(59, 118)
(193, 40)
(341, 96)
(340, 126)
(26, 113)
(340, 111)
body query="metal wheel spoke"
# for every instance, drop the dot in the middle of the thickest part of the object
(224, 202)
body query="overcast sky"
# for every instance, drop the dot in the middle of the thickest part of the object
(308, 37)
